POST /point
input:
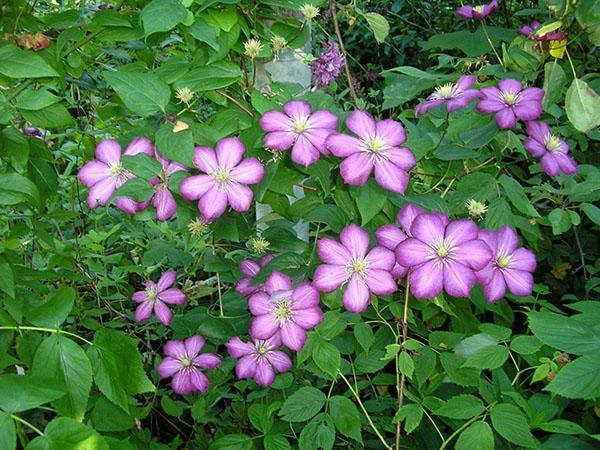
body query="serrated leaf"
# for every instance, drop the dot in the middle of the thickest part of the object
(143, 93)
(345, 416)
(302, 404)
(583, 106)
(578, 379)
(17, 63)
(162, 15)
(516, 194)
(490, 357)
(477, 436)
(379, 25)
(511, 424)
(461, 407)
(8, 435)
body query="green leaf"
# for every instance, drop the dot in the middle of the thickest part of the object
(319, 433)
(364, 335)
(64, 360)
(370, 198)
(472, 44)
(379, 25)
(63, 433)
(162, 15)
(331, 215)
(327, 357)
(511, 424)
(453, 366)
(175, 146)
(106, 416)
(554, 83)
(53, 312)
(516, 195)
(345, 416)
(564, 333)
(302, 404)
(490, 357)
(477, 436)
(8, 278)
(578, 379)
(592, 211)
(205, 32)
(525, 345)
(17, 63)
(560, 221)
(142, 165)
(276, 442)
(23, 392)
(232, 442)
(213, 76)
(461, 407)
(143, 93)
(15, 189)
(406, 365)
(583, 106)
(411, 414)
(136, 188)
(54, 116)
(563, 427)
(260, 416)
(32, 99)
(8, 435)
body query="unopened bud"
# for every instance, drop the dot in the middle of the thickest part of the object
(550, 376)
(563, 359)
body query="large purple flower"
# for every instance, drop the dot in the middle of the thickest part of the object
(105, 174)
(299, 128)
(259, 360)
(350, 261)
(250, 268)
(511, 102)
(183, 362)
(155, 298)
(284, 311)
(376, 147)
(328, 66)
(478, 12)
(442, 256)
(163, 199)
(225, 179)
(454, 95)
(553, 151)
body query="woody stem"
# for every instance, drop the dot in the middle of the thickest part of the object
(404, 325)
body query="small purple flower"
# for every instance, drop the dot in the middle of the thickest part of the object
(33, 132)
(510, 265)
(477, 12)
(553, 151)
(528, 30)
(376, 147)
(442, 256)
(454, 95)
(225, 179)
(106, 173)
(250, 268)
(350, 261)
(300, 129)
(163, 199)
(155, 298)
(511, 102)
(259, 360)
(328, 66)
(183, 362)
(283, 311)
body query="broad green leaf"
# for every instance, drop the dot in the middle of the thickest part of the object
(472, 44)
(15, 189)
(175, 146)
(345, 416)
(63, 433)
(406, 364)
(54, 116)
(379, 25)
(162, 15)
(319, 433)
(213, 76)
(260, 416)
(17, 63)
(302, 404)
(142, 165)
(411, 414)
(554, 82)
(135, 188)
(369, 200)
(525, 345)
(276, 442)
(516, 194)
(106, 416)
(564, 333)
(205, 32)
(583, 106)
(490, 357)
(364, 335)
(331, 215)
(53, 312)
(563, 427)
(23, 392)
(327, 357)
(477, 436)
(32, 99)
(8, 435)
(64, 360)
(143, 93)
(511, 424)
(579, 378)
(8, 278)
(232, 442)
(453, 365)
(592, 211)
(462, 406)
(560, 220)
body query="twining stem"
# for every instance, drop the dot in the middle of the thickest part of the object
(336, 26)
(485, 31)
(362, 407)
(27, 424)
(459, 430)
(404, 325)
(233, 100)
(47, 330)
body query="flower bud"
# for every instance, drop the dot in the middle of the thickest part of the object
(563, 359)
(550, 376)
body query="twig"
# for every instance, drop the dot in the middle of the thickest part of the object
(230, 98)
(404, 325)
(581, 255)
(24, 422)
(303, 186)
(336, 26)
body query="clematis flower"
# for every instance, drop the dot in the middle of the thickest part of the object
(530, 32)
(442, 256)
(350, 262)
(328, 66)
(511, 102)
(105, 174)
(184, 363)
(552, 150)
(156, 297)
(454, 95)
(299, 128)
(376, 147)
(250, 268)
(225, 179)
(259, 359)
(283, 311)
(477, 12)
(510, 265)
(163, 199)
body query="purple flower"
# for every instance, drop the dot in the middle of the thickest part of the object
(528, 30)
(106, 173)
(299, 128)
(510, 266)
(328, 66)
(553, 151)
(225, 179)
(477, 12)
(183, 363)
(33, 132)
(284, 311)
(155, 298)
(250, 268)
(259, 360)
(163, 199)
(442, 256)
(511, 102)
(454, 96)
(376, 147)
(349, 261)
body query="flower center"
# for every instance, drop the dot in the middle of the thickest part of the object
(553, 143)
(221, 175)
(444, 91)
(300, 124)
(262, 350)
(443, 248)
(116, 169)
(503, 261)
(510, 98)
(358, 267)
(478, 9)
(283, 312)
(376, 144)
(186, 362)
(151, 293)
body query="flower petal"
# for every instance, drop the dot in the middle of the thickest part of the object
(458, 279)
(249, 267)
(278, 281)
(381, 258)
(428, 228)
(212, 204)
(391, 177)
(140, 145)
(108, 151)
(172, 296)
(194, 187)
(329, 277)
(293, 336)
(144, 311)
(423, 108)
(304, 152)
(297, 109)
(264, 375)
(263, 326)
(168, 367)
(549, 165)
(459, 231)
(229, 152)
(259, 304)
(401, 157)
(163, 313)
(246, 367)
(275, 121)
(356, 297)
(182, 384)
(381, 282)
(207, 361)
(474, 254)
(280, 140)
(532, 94)
(506, 240)
(505, 118)
(323, 119)
(139, 296)
(239, 196)
(332, 252)
(342, 145)
(193, 345)
(205, 159)
(566, 163)
(389, 236)
(406, 216)
(356, 240)
(166, 280)
(174, 349)
(528, 110)
(305, 296)
(308, 318)
(426, 280)
(361, 123)
(165, 205)
(393, 132)
(199, 381)
(100, 193)
(534, 147)
(519, 282)
(280, 360)
(510, 85)
(413, 252)
(236, 347)
(249, 171)
(93, 172)
(495, 289)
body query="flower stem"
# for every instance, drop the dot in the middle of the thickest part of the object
(24, 422)
(362, 407)
(47, 330)
(485, 31)
(402, 383)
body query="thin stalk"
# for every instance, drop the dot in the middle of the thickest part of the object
(47, 330)
(404, 325)
(487, 36)
(336, 26)
(27, 424)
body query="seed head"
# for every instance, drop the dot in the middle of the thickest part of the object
(309, 11)
(476, 209)
(278, 43)
(185, 95)
(197, 227)
(252, 48)
(259, 245)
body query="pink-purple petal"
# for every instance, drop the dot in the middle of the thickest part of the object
(275, 121)
(356, 297)
(237, 348)
(458, 279)
(172, 296)
(426, 280)
(193, 345)
(519, 282)
(361, 123)
(168, 367)
(393, 132)
(207, 361)
(280, 360)
(108, 151)
(391, 177)
(329, 277)
(293, 336)
(263, 326)
(308, 318)
(342, 145)
(212, 204)
(356, 240)
(93, 172)
(381, 258)
(305, 296)
(278, 281)
(205, 159)
(381, 282)
(239, 196)
(259, 304)
(194, 187)
(304, 152)
(163, 313)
